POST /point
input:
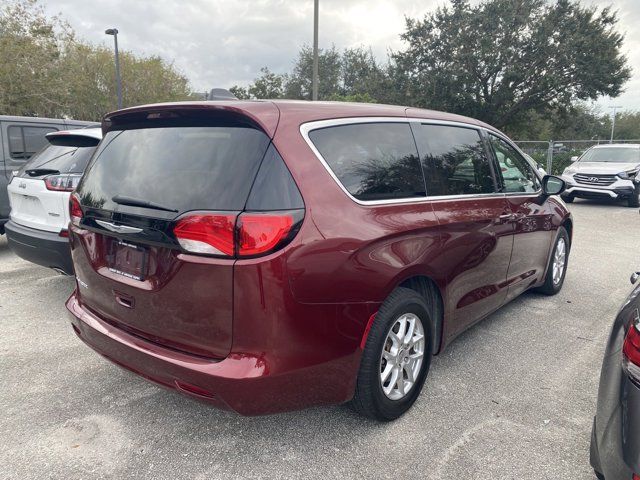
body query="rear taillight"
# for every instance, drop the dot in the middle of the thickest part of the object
(207, 233)
(260, 233)
(62, 183)
(230, 235)
(631, 351)
(75, 210)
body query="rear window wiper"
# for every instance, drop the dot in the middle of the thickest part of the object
(37, 172)
(137, 202)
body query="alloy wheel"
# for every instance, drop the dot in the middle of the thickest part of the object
(402, 356)
(559, 260)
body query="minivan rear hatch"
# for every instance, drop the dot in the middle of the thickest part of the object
(153, 168)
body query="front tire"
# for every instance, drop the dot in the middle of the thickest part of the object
(568, 198)
(396, 357)
(557, 268)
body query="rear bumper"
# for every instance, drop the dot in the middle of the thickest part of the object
(242, 382)
(37, 246)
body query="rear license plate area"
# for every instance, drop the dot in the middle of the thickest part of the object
(127, 259)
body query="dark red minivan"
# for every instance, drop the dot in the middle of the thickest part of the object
(271, 255)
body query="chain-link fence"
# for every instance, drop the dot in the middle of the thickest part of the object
(555, 156)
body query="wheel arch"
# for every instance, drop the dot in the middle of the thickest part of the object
(427, 288)
(568, 226)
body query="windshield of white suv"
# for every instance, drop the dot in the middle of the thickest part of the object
(612, 154)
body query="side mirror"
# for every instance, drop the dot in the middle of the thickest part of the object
(552, 185)
(574, 158)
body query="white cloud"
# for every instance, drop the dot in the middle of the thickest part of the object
(219, 43)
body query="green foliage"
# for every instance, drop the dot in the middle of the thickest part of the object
(501, 59)
(240, 92)
(350, 75)
(46, 71)
(526, 66)
(268, 85)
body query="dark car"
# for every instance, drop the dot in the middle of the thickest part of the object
(267, 256)
(615, 437)
(39, 197)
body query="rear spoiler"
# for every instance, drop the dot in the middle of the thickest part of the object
(262, 114)
(72, 138)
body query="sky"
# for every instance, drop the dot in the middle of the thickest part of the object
(220, 43)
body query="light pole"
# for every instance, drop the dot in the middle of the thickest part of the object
(314, 93)
(613, 122)
(114, 32)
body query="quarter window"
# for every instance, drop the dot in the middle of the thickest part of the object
(454, 160)
(373, 161)
(25, 141)
(517, 174)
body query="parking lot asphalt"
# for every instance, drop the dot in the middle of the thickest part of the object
(513, 397)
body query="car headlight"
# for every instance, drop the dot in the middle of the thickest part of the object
(628, 175)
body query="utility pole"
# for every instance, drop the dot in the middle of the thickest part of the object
(613, 122)
(114, 32)
(316, 8)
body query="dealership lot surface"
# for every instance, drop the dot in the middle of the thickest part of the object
(513, 397)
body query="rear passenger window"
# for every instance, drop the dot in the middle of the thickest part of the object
(25, 141)
(454, 161)
(373, 161)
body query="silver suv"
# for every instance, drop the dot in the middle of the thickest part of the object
(605, 171)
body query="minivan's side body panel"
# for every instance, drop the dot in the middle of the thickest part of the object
(298, 317)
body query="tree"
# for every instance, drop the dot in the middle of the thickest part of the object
(31, 47)
(627, 126)
(268, 85)
(501, 59)
(46, 71)
(299, 82)
(241, 93)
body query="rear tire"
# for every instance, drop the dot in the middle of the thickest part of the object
(376, 395)
(634, 200)
(554, 278)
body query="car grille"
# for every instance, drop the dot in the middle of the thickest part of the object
(598, 180)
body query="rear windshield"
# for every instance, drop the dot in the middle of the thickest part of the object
(615, 154)
(181, 168)
(63, 159)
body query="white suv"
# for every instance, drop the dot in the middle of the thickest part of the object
(605, 171)
(39, 198)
